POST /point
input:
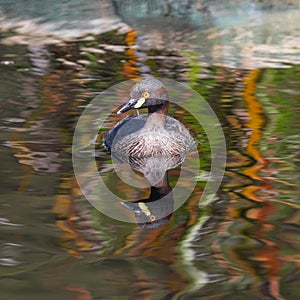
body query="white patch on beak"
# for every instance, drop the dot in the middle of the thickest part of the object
(140, 102)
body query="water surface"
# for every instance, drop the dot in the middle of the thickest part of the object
(244, 244)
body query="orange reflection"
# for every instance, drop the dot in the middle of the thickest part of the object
(130, 68)
(268, 255)
(257, 255)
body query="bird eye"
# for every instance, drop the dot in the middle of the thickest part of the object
(152, 218)
(146, 95)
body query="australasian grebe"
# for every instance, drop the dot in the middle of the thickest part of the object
(152, 141)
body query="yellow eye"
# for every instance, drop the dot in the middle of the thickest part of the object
(146, 95)
(152, 218)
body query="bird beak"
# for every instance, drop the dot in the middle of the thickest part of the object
(131, 206)
(132, 103)
(127, 106)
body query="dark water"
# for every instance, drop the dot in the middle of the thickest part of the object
(244, 244)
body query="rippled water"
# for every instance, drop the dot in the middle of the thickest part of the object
(243, 244)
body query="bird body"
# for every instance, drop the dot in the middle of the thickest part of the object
(143, 143)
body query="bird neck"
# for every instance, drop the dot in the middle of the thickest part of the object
(157, 114)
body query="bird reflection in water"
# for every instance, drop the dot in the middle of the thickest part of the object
(154, 212)
(151, 144)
